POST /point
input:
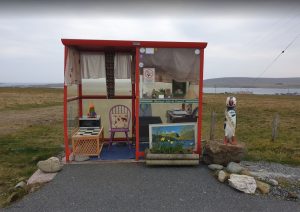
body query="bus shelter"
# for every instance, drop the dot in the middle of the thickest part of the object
(160, 82)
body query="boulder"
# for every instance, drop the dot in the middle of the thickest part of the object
(234, 168)
(264, 188)
(272, 182)
(216, 152)
(81, 158)
(242, 183)
(223, 176)
(215, 167)
(40, 177)
(50, 165)
(21, 184)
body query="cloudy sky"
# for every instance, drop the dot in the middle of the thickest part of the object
(243, 38)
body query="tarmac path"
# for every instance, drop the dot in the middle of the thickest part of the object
(135, 187)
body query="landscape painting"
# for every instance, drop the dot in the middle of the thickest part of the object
(183, 134)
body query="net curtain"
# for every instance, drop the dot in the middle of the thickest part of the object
(180, 64)
(91, 65)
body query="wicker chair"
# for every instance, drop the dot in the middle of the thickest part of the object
(119, 120)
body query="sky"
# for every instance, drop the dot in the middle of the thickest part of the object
(244, 38)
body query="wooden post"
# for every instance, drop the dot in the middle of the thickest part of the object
(212, 125)
(275, 125)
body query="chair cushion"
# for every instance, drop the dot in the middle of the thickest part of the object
(119, 121)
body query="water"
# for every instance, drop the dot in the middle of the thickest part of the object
(122, 86)
(261, 91)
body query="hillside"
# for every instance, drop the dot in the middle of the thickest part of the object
(247, 82)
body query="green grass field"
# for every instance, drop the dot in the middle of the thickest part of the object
(36, 140)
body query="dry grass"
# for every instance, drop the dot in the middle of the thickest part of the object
(254, 125)
(41, 134)
(27, 98)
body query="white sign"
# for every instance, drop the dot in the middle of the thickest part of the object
(149, 50)
(149, 75)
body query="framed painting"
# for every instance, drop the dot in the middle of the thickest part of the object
(172, 134)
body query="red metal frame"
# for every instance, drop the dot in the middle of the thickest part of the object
(66, 139)
(200, 101)
(130, 46)
(137, 103)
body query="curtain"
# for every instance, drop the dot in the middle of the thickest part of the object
(92, 65)
(180, 64)
(72, 71)
(123, 65)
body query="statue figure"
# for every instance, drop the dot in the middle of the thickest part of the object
(230, 121)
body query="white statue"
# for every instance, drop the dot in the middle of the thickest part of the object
(230, 121)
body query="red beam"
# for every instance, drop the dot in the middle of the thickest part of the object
(104, 97)
(70, 99)
(200, 102)
(79, 43)
(137, 103)
(66, 139)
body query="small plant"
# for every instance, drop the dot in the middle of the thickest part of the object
(166, 145)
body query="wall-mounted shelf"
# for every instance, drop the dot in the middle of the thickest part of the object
(149, 101)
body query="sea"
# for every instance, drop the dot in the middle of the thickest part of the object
(211, 90)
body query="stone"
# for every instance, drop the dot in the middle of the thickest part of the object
(273, 182)
(40, 177)
(81, 158)
(234, 168)
(243, 183)
(13, 197)
(50, 165)
(264, 188)
(216, 152)
(222, 176)
(215, 167)
(21, 184)
(292, 195)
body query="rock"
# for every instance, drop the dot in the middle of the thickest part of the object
(21, 184)
(272, 182)
(246, 172)
(292, 195)
(215, 167)
(13, 197)
(81, 158)
(50, 165)
(223, 176)
(216, 152)
(40, 177)
(264, 188)
(235, 168)
(243, 183)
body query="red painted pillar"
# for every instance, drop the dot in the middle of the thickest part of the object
(137, 103)
(200, 103)
(66, 138)
(133, 109)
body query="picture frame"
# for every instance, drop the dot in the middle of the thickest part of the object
(184, 133)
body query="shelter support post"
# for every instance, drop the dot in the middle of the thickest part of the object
(133, 110)
(137, 102)
(66, 139)
(200, 101)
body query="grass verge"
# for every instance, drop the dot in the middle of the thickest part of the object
(22, 150)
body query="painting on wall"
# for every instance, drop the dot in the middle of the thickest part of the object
(174, 134)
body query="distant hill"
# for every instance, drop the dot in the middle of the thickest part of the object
(247, 82)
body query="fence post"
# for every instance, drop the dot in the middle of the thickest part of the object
(212, 125)
(275, 125)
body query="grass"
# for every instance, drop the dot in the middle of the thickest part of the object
(28, 98)
(254, 125)
(22, 149)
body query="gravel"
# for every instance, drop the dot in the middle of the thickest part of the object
(290, 175)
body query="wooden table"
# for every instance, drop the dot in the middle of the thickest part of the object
(88, 142)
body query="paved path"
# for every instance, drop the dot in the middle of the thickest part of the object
(135, 187)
